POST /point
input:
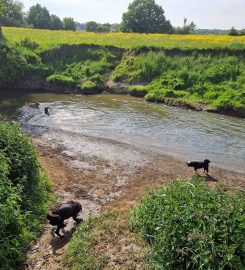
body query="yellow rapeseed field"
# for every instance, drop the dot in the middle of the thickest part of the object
(51, 38)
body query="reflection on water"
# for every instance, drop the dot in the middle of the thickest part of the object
(193, 135)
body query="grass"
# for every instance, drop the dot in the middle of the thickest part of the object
(212, 80)
(25, 195)
(106, 242)
(192, 226)
(216, 81)
(49, 39)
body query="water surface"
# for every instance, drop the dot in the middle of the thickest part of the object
(152, 127)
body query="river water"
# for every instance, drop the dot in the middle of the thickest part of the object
(77, 121)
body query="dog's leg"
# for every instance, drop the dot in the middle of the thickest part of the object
(60, 226)
(78, 220)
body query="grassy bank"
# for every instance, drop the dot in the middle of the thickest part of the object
(184, 225)
(25, 193)
(197, 80)
(197, 72)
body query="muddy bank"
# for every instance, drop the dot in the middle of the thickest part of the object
(101, 185)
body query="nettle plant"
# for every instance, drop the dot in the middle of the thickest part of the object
(192, 226)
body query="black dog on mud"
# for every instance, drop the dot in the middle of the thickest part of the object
(198, 165)
(60, 212)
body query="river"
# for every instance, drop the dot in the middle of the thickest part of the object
(77, 122)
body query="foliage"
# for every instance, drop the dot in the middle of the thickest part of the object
(12, 13)
(137, 90)
(24, 195)
(55, 23)
(186, 29)
(192, 226)
(39, 17)
(216, 81)
(61, 80)
(97, 27)
(233, 32)
(11, 57)
(86, 67)
(69, 24)
(145, 16)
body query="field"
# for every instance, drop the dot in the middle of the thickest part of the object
(48, 38)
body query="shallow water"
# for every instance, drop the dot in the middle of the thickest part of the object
(81, 123)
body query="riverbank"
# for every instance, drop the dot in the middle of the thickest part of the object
(203, 79)
(102, 186)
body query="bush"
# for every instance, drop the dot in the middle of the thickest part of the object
(24, 195)
(89, 88)
(137, 90)
(13, 65)
(193, 226)
(61, 80)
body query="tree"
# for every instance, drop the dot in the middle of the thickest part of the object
(233, 32)
(186, 29)
(91, 26)
(11, 13)
(69, 24)
(39, 17)
(145, 16)
(55, 23)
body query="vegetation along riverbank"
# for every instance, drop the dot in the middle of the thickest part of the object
(25, 195)
(197, 72)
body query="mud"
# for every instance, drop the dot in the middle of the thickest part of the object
(100, 184)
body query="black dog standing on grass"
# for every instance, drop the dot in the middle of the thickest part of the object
(59, 213)
(199, 165)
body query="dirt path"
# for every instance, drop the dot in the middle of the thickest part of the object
(99, 186)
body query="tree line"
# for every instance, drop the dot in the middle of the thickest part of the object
(12, 14)
(142, 16)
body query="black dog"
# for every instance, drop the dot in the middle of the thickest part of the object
(59, 213)
(46, 110)
(198, 165)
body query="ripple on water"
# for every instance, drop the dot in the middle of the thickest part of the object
(90, 125)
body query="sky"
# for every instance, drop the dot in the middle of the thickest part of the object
(208, 14)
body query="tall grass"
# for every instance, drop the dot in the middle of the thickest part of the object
(25, 193)
(216, 81)
(192, 226)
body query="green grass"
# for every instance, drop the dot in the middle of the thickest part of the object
(192, 226)
(25, 195)
(216, 81)
(212, 80)
(105, 242)
(50, 38)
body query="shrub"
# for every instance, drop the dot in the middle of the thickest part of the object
(137, 90)
(61, 80)
(193, 226)
(24, 195)
(13, 65)
(89, 88)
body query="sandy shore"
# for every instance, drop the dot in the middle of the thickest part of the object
(102, 185)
